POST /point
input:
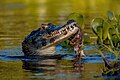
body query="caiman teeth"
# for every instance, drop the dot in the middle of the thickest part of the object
(66, 29)
(59, 32)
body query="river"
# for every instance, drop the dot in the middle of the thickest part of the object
(19, 17)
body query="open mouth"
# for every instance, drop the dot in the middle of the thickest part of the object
(48, 36)
(60, 35)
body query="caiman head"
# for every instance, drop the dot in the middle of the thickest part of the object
(43, 40)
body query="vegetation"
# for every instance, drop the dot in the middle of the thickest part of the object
(108, 32)
(80, 20)
(108, 38)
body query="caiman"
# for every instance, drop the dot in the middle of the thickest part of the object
(44, 40)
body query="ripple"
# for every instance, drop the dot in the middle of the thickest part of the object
(58, 76)
(108, 77)
(12, 6)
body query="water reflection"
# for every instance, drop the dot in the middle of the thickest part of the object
(114, 77)
(55, 68)
(40, 66)
(19, 17)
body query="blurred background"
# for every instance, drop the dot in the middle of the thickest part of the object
(19, 17)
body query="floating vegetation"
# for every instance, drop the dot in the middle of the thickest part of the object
(107, 30)
(108, 37)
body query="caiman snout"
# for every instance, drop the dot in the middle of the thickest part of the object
(49, 35)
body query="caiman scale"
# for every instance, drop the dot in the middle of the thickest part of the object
(44, 40)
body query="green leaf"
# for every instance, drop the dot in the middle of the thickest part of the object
(119, 24)
(110, 39)
(87, 39)
(119, 20)
(78, 17)
(115, 39)
(99, 33)
(66, 44)
(113, 23)
(111, 31)
(97, 22)
(105, 30)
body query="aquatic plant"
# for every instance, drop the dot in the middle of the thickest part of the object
(78, 17)
(108, 32)
(108, 37)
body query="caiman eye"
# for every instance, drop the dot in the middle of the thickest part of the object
(46, 27)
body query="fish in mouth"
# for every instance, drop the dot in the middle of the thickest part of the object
(44, 40)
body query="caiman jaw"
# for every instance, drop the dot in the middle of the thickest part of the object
(43, 40)
(61, 35)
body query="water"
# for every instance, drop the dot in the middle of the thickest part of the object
(19, 17)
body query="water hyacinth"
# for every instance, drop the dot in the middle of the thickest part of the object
(108, 30)
(108, 36)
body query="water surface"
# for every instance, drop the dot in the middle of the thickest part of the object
(19, 17)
